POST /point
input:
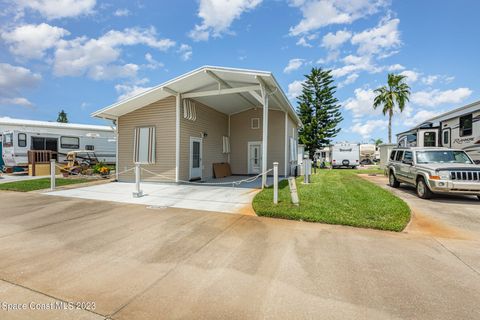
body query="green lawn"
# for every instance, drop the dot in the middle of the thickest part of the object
(38, 184)
(337, 197)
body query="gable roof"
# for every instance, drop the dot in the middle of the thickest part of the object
(209, 78)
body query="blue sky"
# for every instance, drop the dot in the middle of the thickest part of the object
(84, 55)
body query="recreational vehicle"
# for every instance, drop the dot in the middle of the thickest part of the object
(458, 129)
(345, 155)
(18, 136)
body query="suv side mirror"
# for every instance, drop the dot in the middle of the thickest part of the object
(408, 161)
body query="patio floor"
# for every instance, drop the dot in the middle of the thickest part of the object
(203, 196)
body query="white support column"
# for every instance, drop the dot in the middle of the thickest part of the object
(275, 182)
(52, 174)
(265, 136)
(229, 139)
(177, 136)
(117, 168)
(286, 147)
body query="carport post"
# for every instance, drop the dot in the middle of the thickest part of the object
(138, 193)
(52, 174)
(275, 182)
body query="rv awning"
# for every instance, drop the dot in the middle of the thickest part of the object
(227, 90)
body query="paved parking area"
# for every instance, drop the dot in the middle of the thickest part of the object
(140, 263)
(217, 198)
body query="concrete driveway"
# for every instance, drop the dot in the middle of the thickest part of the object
(217, 198)
(140, 263)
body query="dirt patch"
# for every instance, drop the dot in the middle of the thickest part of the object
(423, 224)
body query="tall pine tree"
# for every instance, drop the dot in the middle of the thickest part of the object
(319, 110)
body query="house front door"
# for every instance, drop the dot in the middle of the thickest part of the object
(195, 158)
(254, 157)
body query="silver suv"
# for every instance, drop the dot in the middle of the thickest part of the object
(434, 170)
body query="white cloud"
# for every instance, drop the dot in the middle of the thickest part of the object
(185, 52)
(366, 129)
(321, 13)
(126, 91)
(152, 63)
(304, 40)
(121, 12)
(350, 79)
(333, 41)
(412, 76)
(293, 64)
(419, 117)
(378, 40)
(354, 64)
(218, 15)
(437, 97)
(19, 101)
(31, 41)
(55, 9)
(13, 79)
(97, 57)
(295, 89)
(431, 79)
(362, 104)
(395, 67)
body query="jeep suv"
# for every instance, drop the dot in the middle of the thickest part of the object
(434, 170)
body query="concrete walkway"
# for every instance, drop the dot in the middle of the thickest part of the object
(200, 197)
(140, 263)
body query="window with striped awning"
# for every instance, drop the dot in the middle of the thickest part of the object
(144, 145)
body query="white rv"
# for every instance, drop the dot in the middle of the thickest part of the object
(345, 155)
(18, 136)
(458, 129)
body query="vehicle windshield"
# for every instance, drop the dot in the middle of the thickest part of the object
(441, 156)
(7, 140)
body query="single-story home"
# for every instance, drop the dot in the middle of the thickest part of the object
(210, 115)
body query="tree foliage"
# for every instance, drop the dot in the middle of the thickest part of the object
(395, 94)
(319, 110)
(62, 117)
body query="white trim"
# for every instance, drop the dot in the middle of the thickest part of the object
(264, 134)
(249, 168)
(219, 92)
(287, 163)
(117, 168)
(192, 139)
(178, 103)
(256, 96)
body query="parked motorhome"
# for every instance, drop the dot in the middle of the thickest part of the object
(345, 155)
(18, 136)
(458, 129)
(367, 153)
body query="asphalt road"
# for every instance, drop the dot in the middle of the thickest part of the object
(139, 263)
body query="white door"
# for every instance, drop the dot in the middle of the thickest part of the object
(254, 157)
(195, 158)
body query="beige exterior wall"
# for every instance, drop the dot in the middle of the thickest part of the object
(241, 133)
(215, 124)
(160, 114)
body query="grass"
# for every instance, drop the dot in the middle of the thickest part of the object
(38, 184)
(337, 197)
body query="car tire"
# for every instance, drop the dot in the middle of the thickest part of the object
(392, 181)
(422, 189)
(478, 197)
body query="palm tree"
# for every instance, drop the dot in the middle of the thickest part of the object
(396, 93)
(377, 142)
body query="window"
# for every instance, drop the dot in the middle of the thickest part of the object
(8, 140)
(22, 140)
(446, 138)
(144, 145)
(408, 156)
(429, 139)
(255, 123)
(466, 125)
(89, 147)
(69, 142)
(392, 155)
(226, 144)
(399, 156)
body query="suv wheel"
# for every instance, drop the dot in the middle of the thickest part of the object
(422, 189)
(478, 197)
(392, 181)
